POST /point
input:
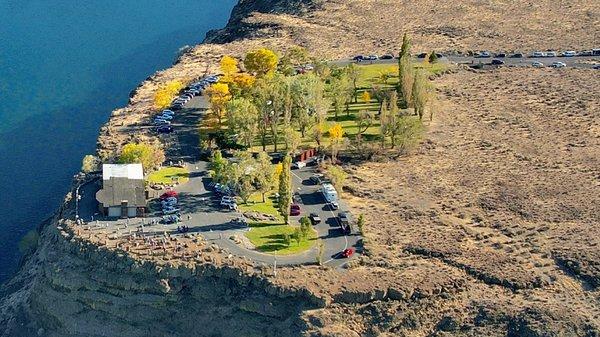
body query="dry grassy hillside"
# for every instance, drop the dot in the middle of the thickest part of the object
(346, 27)
(504, 190)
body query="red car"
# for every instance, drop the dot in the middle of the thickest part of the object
(168, 194)
(294, 209)
(347, 252)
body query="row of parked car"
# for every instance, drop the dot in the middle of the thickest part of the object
(360, 58)
(539, 54)
(163, 121)
(168, 203)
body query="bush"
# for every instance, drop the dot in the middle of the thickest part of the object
(90, 164)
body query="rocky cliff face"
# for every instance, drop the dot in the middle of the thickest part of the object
(71, 287)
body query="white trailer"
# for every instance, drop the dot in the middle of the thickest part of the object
(329, 193)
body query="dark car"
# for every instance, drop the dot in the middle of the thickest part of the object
(500, 55)
(294, 209)
(596, 66)
(346, 253)
(517, 55)
(344, 220)
(422, 55)
(497, 62)
(314, 218)
(387, 57)
(164, 129)
(317, 178)
(358, 58)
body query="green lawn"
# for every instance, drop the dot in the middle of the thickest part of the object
(168, 174)
(255, 204)
(269, 238)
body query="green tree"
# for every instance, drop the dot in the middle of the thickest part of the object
(90, 163)
(433, 57)
(338, 177)
(406, 80)
(364, 120)
(149, 155)
(297, 235)
(341, 92)
(293, 139)
(218, 167)
(295, 56)
(242, 119)
(405, 48)
(273, 100)
(307, 92)
(285, 189)
(305, 226)
(361, 223)
(264, 174)
(405, 70)
(287, 239)
(354, 73)
(261, 62)
(422, 93)
(380, 94)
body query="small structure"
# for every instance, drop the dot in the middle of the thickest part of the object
(123, 193)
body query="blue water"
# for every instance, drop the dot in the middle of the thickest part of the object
(64, 66)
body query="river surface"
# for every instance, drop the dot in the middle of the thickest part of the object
(64, 66)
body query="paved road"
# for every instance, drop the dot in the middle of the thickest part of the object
(577, 61)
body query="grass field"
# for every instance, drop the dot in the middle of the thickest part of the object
(255, 204)
(168, 175)
(269, 238)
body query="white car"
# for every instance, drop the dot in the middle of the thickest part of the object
(558, 65)
(537, 64)
(227, 200)
(569, 53)
(170, 210)
(298, 165)
(538, 54)
(551, 54)
(167, 204)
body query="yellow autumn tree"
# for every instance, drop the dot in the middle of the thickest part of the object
(229, 67)
(261, 62)
(276, 173)
(366, 97)
(336, 134)
(165, 94)
(243, 82)
(219, 95)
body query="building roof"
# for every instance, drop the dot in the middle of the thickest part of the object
(130, 171)
(119, 189)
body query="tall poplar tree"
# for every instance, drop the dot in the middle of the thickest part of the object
(285, 189)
